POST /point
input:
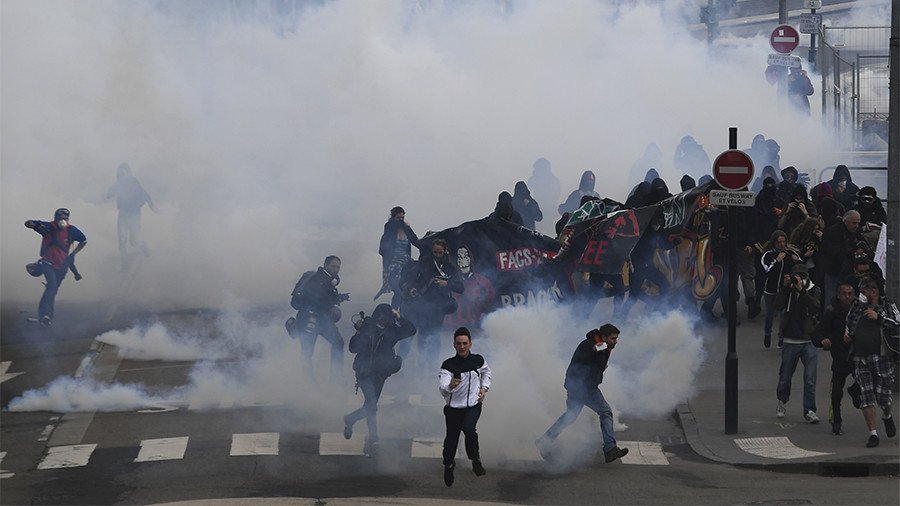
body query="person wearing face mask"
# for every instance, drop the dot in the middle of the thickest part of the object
(317, 301)
(869, 206)
(785, 188)
(524, 204)
(798, 209)
(843, 187)
(57, 256)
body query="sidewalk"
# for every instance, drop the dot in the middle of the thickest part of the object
(764, 441)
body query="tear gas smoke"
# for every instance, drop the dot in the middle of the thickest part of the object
(269, 140)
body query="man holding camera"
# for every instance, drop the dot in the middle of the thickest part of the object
(429, 287)
(316, 299)
(375, 361)
(583, 378)
(799, 299)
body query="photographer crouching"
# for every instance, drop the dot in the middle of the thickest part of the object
(375, 361)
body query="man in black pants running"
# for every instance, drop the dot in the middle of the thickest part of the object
(465, 380)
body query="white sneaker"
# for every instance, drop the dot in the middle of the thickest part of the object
(780, 409)
(811, 417)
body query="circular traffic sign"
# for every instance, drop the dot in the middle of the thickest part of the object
(733, 169)
(784, 39)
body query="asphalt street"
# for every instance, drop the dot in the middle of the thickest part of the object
(249, 448)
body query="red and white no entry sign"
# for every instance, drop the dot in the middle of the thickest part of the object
(733, 169)
(784, 39)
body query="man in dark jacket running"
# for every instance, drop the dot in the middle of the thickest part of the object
(830, 335)
(375, 361)
(583, 378)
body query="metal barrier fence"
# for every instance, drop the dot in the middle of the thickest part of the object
(853, 63)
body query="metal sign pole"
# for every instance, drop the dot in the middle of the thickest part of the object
(731, 359)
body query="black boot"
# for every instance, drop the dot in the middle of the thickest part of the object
(448, 474)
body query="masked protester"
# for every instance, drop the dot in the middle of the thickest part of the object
(317, 301)
(583, 378)
(785, 188)
(767, 171)
(798, 209)
(505, 211)
(526, 206)
(869, 206)
(395, 249)
(57, 257)
(842, 186)
(375, 361)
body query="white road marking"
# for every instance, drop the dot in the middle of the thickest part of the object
(4, 474)
(645, 453)
(774, 448)
(162, 449)
(258, 443)
(432, 448)
(427, 448)
(332, 443)
(67, 456)
(4, 366)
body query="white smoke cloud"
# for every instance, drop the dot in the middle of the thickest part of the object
(156, 343)
(65, 394)
(269, 141)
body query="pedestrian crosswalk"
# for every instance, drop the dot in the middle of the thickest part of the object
(330, 444)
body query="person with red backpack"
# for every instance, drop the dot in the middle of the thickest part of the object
(57, 257)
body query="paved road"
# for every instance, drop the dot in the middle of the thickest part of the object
(253, 446)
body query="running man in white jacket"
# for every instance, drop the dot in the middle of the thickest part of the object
(465, 380)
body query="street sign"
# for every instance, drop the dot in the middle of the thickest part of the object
(810, 23)
(733, 169)
(727, 198)
(784, 39)
(783, 60)
(813, 4)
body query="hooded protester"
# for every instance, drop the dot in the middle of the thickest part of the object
(869, 206)
(774, 155)
(757, 150)
(526, 206)
(799, 208)
(705, 178)
(505, 211)
(799, 89)
(830, 210)
(640, 197)
(842, 187)
(395, 249)
(761, 222)
(767, 171)
(652, 158)
(561, 224)
(544, 185)
(130, 198)
(585, 188)
(648, 178)
(789, 177)
(658, 191)
(690, 158)
(687, 182)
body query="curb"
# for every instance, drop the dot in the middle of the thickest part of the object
(841, 468)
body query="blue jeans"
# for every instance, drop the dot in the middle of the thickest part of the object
(371, 387)
(790, 355)
(594, 400)
(769, 299)
(53, 278)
